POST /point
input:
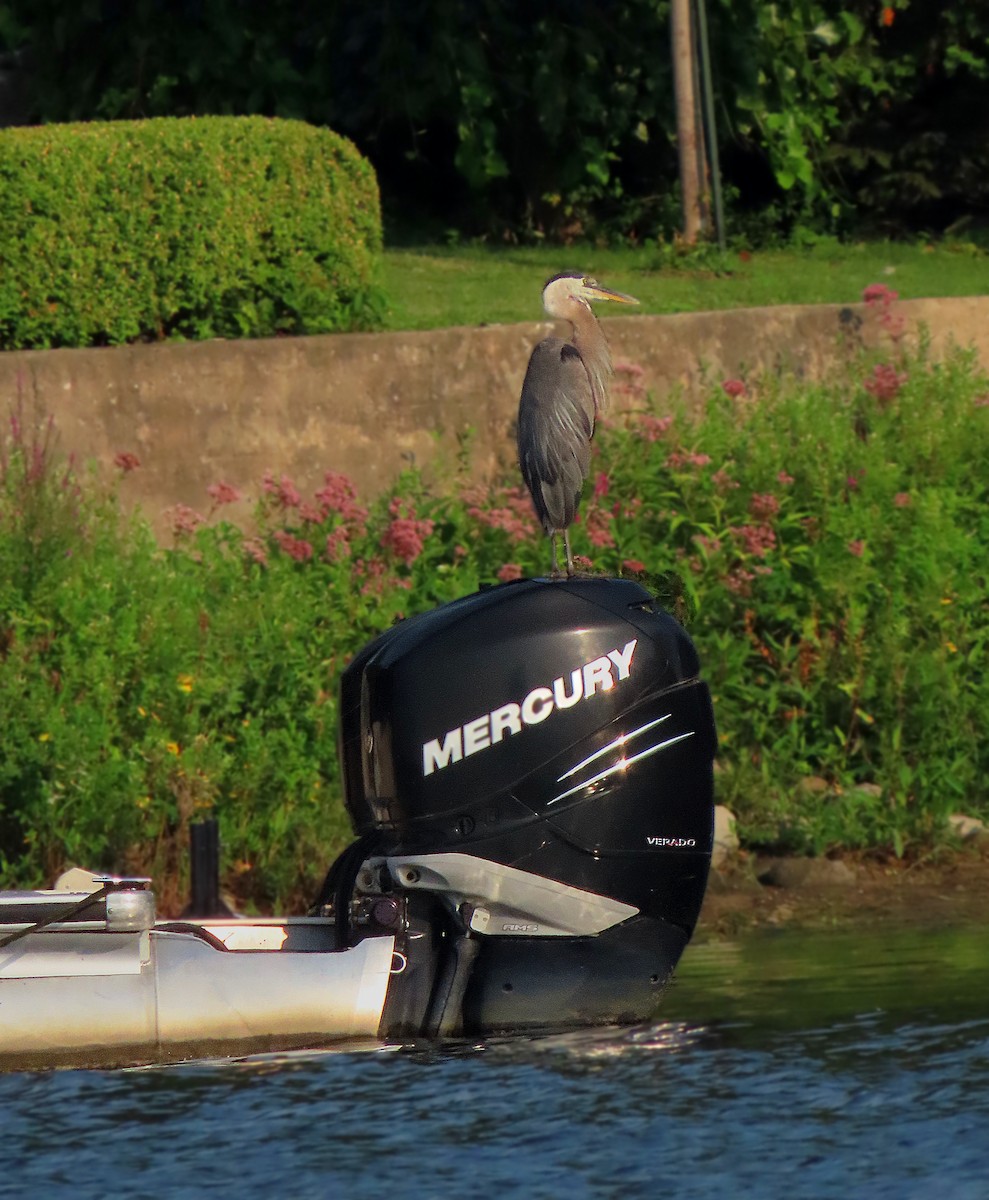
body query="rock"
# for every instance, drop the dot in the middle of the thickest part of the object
(813, 785)
(806, 872)
(780, 915)
(967, 828)
(725, 837)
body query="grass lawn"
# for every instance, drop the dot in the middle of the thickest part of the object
(434, 286)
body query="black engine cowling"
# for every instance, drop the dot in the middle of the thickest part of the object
(535, 762)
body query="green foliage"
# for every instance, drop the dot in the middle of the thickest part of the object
(218, 227)
(825, 542)
(832, 539)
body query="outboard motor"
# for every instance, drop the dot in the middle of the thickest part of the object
(530, 773)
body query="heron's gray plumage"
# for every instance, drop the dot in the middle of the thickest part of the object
(564, 392)
(556, 424)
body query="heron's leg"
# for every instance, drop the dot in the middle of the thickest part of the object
(566, 545)
(552, 546)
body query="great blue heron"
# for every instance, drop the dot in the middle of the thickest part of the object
(564, 393)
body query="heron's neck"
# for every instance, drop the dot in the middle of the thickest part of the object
(589, 339)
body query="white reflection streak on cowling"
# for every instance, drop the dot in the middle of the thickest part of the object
(622, 765)
(619, 741)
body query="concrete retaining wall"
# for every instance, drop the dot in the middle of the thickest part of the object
(369, 404)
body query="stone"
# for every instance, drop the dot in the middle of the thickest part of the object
(725, 838)
(813, 785)
(805, 872)
(967, 828)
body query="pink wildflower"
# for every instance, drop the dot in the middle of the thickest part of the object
(284, 490)
(629, 381)
(879, 293)
(288, 494)
(784, 478)
(764, 505)
(598, 531)
(337, 545)
(126, 461)
(634, 566)
(294, 547)
(223, 493)
(682, 458)
(885, 382)
(723, 481)
(982, 401)
(509, 572)
(184, 519)
(739, 581)
(514, 516)
(878, 296)
(653, 428)
(373, 570)
(756, 540)
(600, 538)
(405, 537)
(902, 500)
(856, 547)
(338, 495)
(734, 388)
(709, 544)
(474, 495)
(309, 515)
(601, 485)
(254, 548)
(582, 563)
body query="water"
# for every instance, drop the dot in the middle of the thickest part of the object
(789, 1066)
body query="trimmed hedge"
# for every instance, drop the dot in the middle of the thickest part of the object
(125, 231)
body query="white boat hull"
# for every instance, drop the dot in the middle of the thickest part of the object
(99, 996)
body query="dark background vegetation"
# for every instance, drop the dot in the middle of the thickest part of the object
(502, 118)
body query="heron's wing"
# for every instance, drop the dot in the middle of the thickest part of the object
(556, 423)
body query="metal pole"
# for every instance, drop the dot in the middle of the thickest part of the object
(707, 89)
(204, 864)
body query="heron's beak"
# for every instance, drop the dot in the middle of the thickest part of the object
(597, 292)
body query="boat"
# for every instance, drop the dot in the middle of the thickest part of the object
(529, 775)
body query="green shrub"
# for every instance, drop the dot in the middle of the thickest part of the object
(826, 541)
(198, 228)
